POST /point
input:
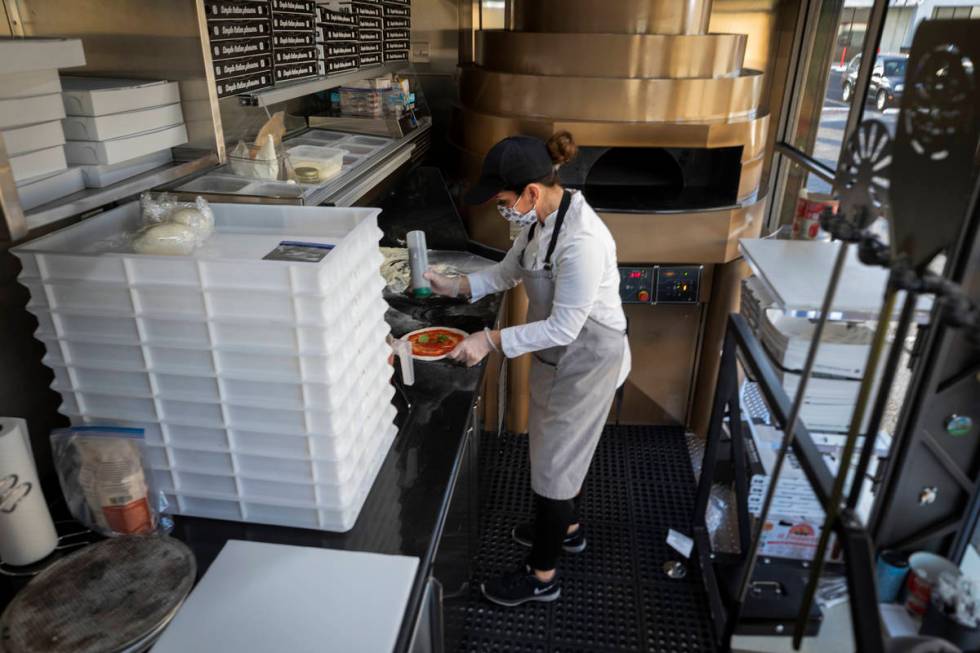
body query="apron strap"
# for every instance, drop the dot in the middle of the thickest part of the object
(566, 201)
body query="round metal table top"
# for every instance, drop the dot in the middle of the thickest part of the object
(108, 597)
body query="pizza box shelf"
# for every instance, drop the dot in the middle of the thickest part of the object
(250, 377)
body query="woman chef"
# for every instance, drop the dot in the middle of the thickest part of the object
(575, 331)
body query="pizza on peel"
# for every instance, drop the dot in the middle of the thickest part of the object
(434, 343)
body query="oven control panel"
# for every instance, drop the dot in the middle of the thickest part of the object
(638, 285)
(678, 284)
(660, 284)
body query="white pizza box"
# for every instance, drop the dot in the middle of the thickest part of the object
(105, 175)
(31, 138)
(39, 82)
(28, 55)
(118, 150)
(35, 164)
(98, 96)
(16, 112)
(126, 123)
(48, 188)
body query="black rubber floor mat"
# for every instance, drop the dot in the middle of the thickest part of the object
(615, 595)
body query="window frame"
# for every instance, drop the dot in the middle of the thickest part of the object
(790, 163)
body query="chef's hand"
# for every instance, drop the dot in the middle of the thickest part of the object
(446, 285)
(475, 347)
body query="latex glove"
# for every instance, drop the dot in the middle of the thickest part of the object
(442, 284)
(473, 349)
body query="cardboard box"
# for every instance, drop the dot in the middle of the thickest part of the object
(373, 47)
(97, 96)
(284, 56)
(21, 140)
(395, 46)
(238, 29)
(119, 125)
(367, 35)
(401, 55)
(35, 164)
(342, 65)
(33, 55)
(392, 22)
(241, 67)
(292, 23)
(41, 82)
(246, 84)
(397, 35)
(224, 10)
(126, 148)
(47, 188)
(370, 60)
(294, 6)
(340, 49)
(330, 17)
(292, 39)
(338, 33)
(292, 72)
(236, 48)
(106, 175)
(396, 11)
(16, 112)
(364, 9)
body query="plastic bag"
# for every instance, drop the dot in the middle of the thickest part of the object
(103, 477)
(172, 228)
(196, 215)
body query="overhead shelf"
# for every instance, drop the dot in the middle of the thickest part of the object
(285, 92)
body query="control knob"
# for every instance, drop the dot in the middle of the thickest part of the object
(643, 296)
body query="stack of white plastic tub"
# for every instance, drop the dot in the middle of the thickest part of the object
(263, 386)
(30, 117)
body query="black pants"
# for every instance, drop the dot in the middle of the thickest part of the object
(551, 521)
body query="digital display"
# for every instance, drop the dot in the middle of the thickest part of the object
(636, 274)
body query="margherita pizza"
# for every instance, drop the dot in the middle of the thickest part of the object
(434, 343)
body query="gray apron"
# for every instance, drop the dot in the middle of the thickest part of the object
(572, 387)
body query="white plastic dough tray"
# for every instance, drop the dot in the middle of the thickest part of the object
(263, 386)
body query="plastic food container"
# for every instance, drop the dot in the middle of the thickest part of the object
(314, 164)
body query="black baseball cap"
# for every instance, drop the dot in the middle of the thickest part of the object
(511, 164)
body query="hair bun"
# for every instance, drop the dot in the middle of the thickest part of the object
(562, 148)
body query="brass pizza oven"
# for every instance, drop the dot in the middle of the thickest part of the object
(672, 144)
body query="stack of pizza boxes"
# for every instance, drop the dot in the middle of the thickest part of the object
(397, 20)
(241, 47)
(294, 40)
(369, 30)
(337, 48)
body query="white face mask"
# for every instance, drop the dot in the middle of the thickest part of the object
(511, 214)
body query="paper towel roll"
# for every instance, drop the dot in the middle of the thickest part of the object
(26, 531)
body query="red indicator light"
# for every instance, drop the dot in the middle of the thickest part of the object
(636, 275)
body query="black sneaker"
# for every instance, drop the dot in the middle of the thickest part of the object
(521, 586)
(574, 543)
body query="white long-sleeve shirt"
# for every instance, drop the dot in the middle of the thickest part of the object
(586, 280)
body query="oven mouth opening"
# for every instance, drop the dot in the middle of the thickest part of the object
(651, 179)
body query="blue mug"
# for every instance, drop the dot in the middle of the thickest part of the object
(891, 570)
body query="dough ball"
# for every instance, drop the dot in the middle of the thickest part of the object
(195, 219)
(167, 239)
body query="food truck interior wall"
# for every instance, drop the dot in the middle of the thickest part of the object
(119, 39)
